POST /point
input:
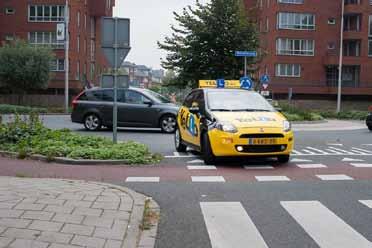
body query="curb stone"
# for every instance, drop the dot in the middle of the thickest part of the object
(148, 237)
(69, 161)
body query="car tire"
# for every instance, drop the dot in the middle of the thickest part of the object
(207, 152)
(168, 124)
(180, 147)
(92, 122)
(283, 159)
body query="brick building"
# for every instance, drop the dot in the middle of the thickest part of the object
(301, 38)
(36, 21)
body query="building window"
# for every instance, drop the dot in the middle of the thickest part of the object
(78, 43)
(352, 22)
(331, 21)
(294, 47)
(45, 39)
(9, 11)
(352, 48)
(331, 46)
(350, 76)
(57, 65)
(288, 70)
(291, 1)
(352, 2)
(9, 37)
(299, 21)
(370, 26)
(78, 19)
(46, 13)
(370, 47)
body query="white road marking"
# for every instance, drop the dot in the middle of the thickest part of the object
(196, 161)
(206, 179)
(334, 152)
(143, 179)
(362, 150)
(352, 160)
(248, 167)
(334, 177)
(325, 227)
(358, 165)
(342, 151)
(229, 225)
(295, 152)
(335, 144)
(311, 166)
(179, 155)
(308, 152)
(297, 160)
(367, 203)
(272, 178)
(317, 150)
(366, 144)
(201, 167)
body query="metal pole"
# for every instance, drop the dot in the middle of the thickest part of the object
(115, 107)
(245, 66)
(339, 88)
(67, 64)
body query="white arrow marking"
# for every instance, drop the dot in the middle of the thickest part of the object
(196, 161)
(297, 160)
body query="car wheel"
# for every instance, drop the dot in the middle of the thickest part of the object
(92, 122)
(180, 147)
(208, 156)
(283, 159)
(168, 124)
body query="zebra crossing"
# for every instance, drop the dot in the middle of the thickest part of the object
(329, 150)
(228, 225)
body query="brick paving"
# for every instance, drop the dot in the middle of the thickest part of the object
(63, 213)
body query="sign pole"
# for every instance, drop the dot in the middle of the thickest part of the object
(67, 64)
(245, 66)
(115, 107)
(339, 86)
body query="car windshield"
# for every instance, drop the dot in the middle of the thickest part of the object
(237, 101)
(159, 97)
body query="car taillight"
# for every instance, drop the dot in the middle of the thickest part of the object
(75, 101)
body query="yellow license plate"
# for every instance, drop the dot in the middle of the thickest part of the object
(263, 141)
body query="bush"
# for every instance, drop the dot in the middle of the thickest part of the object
(15, 109)
(29, 136)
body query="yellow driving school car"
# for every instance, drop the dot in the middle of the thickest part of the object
(229, 122)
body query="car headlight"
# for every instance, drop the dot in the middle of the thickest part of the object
(287, 126)
(226, 127)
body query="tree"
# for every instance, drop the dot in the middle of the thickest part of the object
(203, 44)
(24, 67)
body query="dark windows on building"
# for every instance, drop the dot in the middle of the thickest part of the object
(298, 21)
(350, 76)
(352, 48)
(352, 22)
(9, 11)
(46, 13)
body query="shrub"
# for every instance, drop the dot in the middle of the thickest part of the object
(15, 109)
(28, 136)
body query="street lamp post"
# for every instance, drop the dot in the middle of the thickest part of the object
(67, 44)
(339, 88)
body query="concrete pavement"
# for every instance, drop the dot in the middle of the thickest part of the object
(51, 213)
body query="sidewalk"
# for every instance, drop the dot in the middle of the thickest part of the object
(50, 213)
(330, 125)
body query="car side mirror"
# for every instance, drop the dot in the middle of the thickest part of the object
(194, 110)
(147, 102)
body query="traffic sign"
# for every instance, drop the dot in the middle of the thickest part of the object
(265, 79)
(265, 93)
(245, 54)
(246, 83)
(220, 83)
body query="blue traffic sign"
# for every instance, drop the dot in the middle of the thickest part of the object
(265, 79)
(245, 54)
(220, 83)
(246, 83)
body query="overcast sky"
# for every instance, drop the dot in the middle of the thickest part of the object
(150, 22)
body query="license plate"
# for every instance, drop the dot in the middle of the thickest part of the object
(263, 141)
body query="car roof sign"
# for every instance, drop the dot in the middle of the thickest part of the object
(220, 83)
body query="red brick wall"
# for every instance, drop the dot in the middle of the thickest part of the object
(313, 73)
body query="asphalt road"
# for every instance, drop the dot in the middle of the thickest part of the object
(313, 201)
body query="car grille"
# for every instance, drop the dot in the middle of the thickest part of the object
(263, 148)
(262, 135)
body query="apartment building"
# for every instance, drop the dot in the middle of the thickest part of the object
(300, 44)
(36, 22)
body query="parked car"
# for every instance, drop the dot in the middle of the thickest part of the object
(369, 118)
(136, 108)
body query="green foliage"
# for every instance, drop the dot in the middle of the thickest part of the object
(203, 44)
(29, 136)
(24, 67)
(15, 109)
(297, 114)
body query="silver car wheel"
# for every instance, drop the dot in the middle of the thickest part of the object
(168, 124)
(92, 122)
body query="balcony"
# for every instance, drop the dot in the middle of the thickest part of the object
(354, 8)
